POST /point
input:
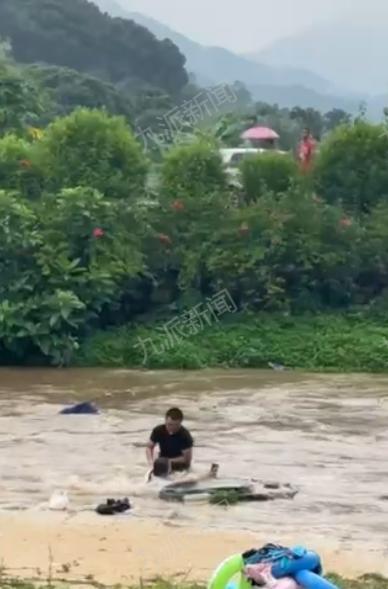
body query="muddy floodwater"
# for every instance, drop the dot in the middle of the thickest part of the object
(326, 435)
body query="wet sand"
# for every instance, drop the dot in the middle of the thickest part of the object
(125, 549)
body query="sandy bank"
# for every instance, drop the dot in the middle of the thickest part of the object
(125, 549)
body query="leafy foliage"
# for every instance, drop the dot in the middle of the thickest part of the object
(21, 99)
(351, 169)
(83, 246)
(89, 148)
(195, 170)
(18, 171)
(69, 89)
(265, 172)
(58, 271)
(331, 342)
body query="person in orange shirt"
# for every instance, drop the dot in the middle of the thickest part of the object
(306, 150)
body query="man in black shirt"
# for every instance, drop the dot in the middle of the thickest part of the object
(174, 441)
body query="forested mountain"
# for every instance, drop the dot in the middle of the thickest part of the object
(75, 34)
(212, 65)
(68, 89)
(284, 85)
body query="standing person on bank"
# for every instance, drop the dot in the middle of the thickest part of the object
(175, 442)
(306, 151)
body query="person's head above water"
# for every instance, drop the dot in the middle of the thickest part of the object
(174, 418)
(161, 467)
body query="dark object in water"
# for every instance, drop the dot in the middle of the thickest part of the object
(230, 491)
(85, 408)
(113, 506)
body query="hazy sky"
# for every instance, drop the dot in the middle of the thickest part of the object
(241, 25)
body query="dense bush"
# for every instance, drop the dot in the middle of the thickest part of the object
(195, 170)
(293, 253)
(90, 148)
(61, 263)
(81, 251)
(18, 169)
(267, 172)
(351, 168)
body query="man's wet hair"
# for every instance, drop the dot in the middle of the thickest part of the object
(175, 414)
(160, 468)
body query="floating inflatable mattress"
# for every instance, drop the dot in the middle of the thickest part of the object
(178, 492)
(247, 491)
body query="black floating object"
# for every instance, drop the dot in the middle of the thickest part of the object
(86, 408)
(113, 506)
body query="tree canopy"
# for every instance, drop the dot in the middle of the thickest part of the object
(69, 89)
(76, 34)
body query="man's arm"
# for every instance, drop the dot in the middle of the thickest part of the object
(152, 442)
(186, 458)
(150, 452)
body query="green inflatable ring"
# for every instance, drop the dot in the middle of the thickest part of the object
(229, 568)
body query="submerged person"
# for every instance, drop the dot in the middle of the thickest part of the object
(175, 443)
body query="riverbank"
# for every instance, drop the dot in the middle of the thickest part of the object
(125, 550)
(368, 581)
(318, 343)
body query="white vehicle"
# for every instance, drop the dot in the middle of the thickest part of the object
(232, 157)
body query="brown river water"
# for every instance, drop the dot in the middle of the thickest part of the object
(326, 435)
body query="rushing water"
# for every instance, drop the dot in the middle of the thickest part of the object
(327, 435)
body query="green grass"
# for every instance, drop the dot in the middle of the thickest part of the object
(327, 343)
(369, 581)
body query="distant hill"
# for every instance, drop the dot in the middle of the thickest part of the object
(352, 52)
(213, 65)
(75, 34)
(216, 64)
(304, 97)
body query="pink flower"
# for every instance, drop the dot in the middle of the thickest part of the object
(98, 233)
